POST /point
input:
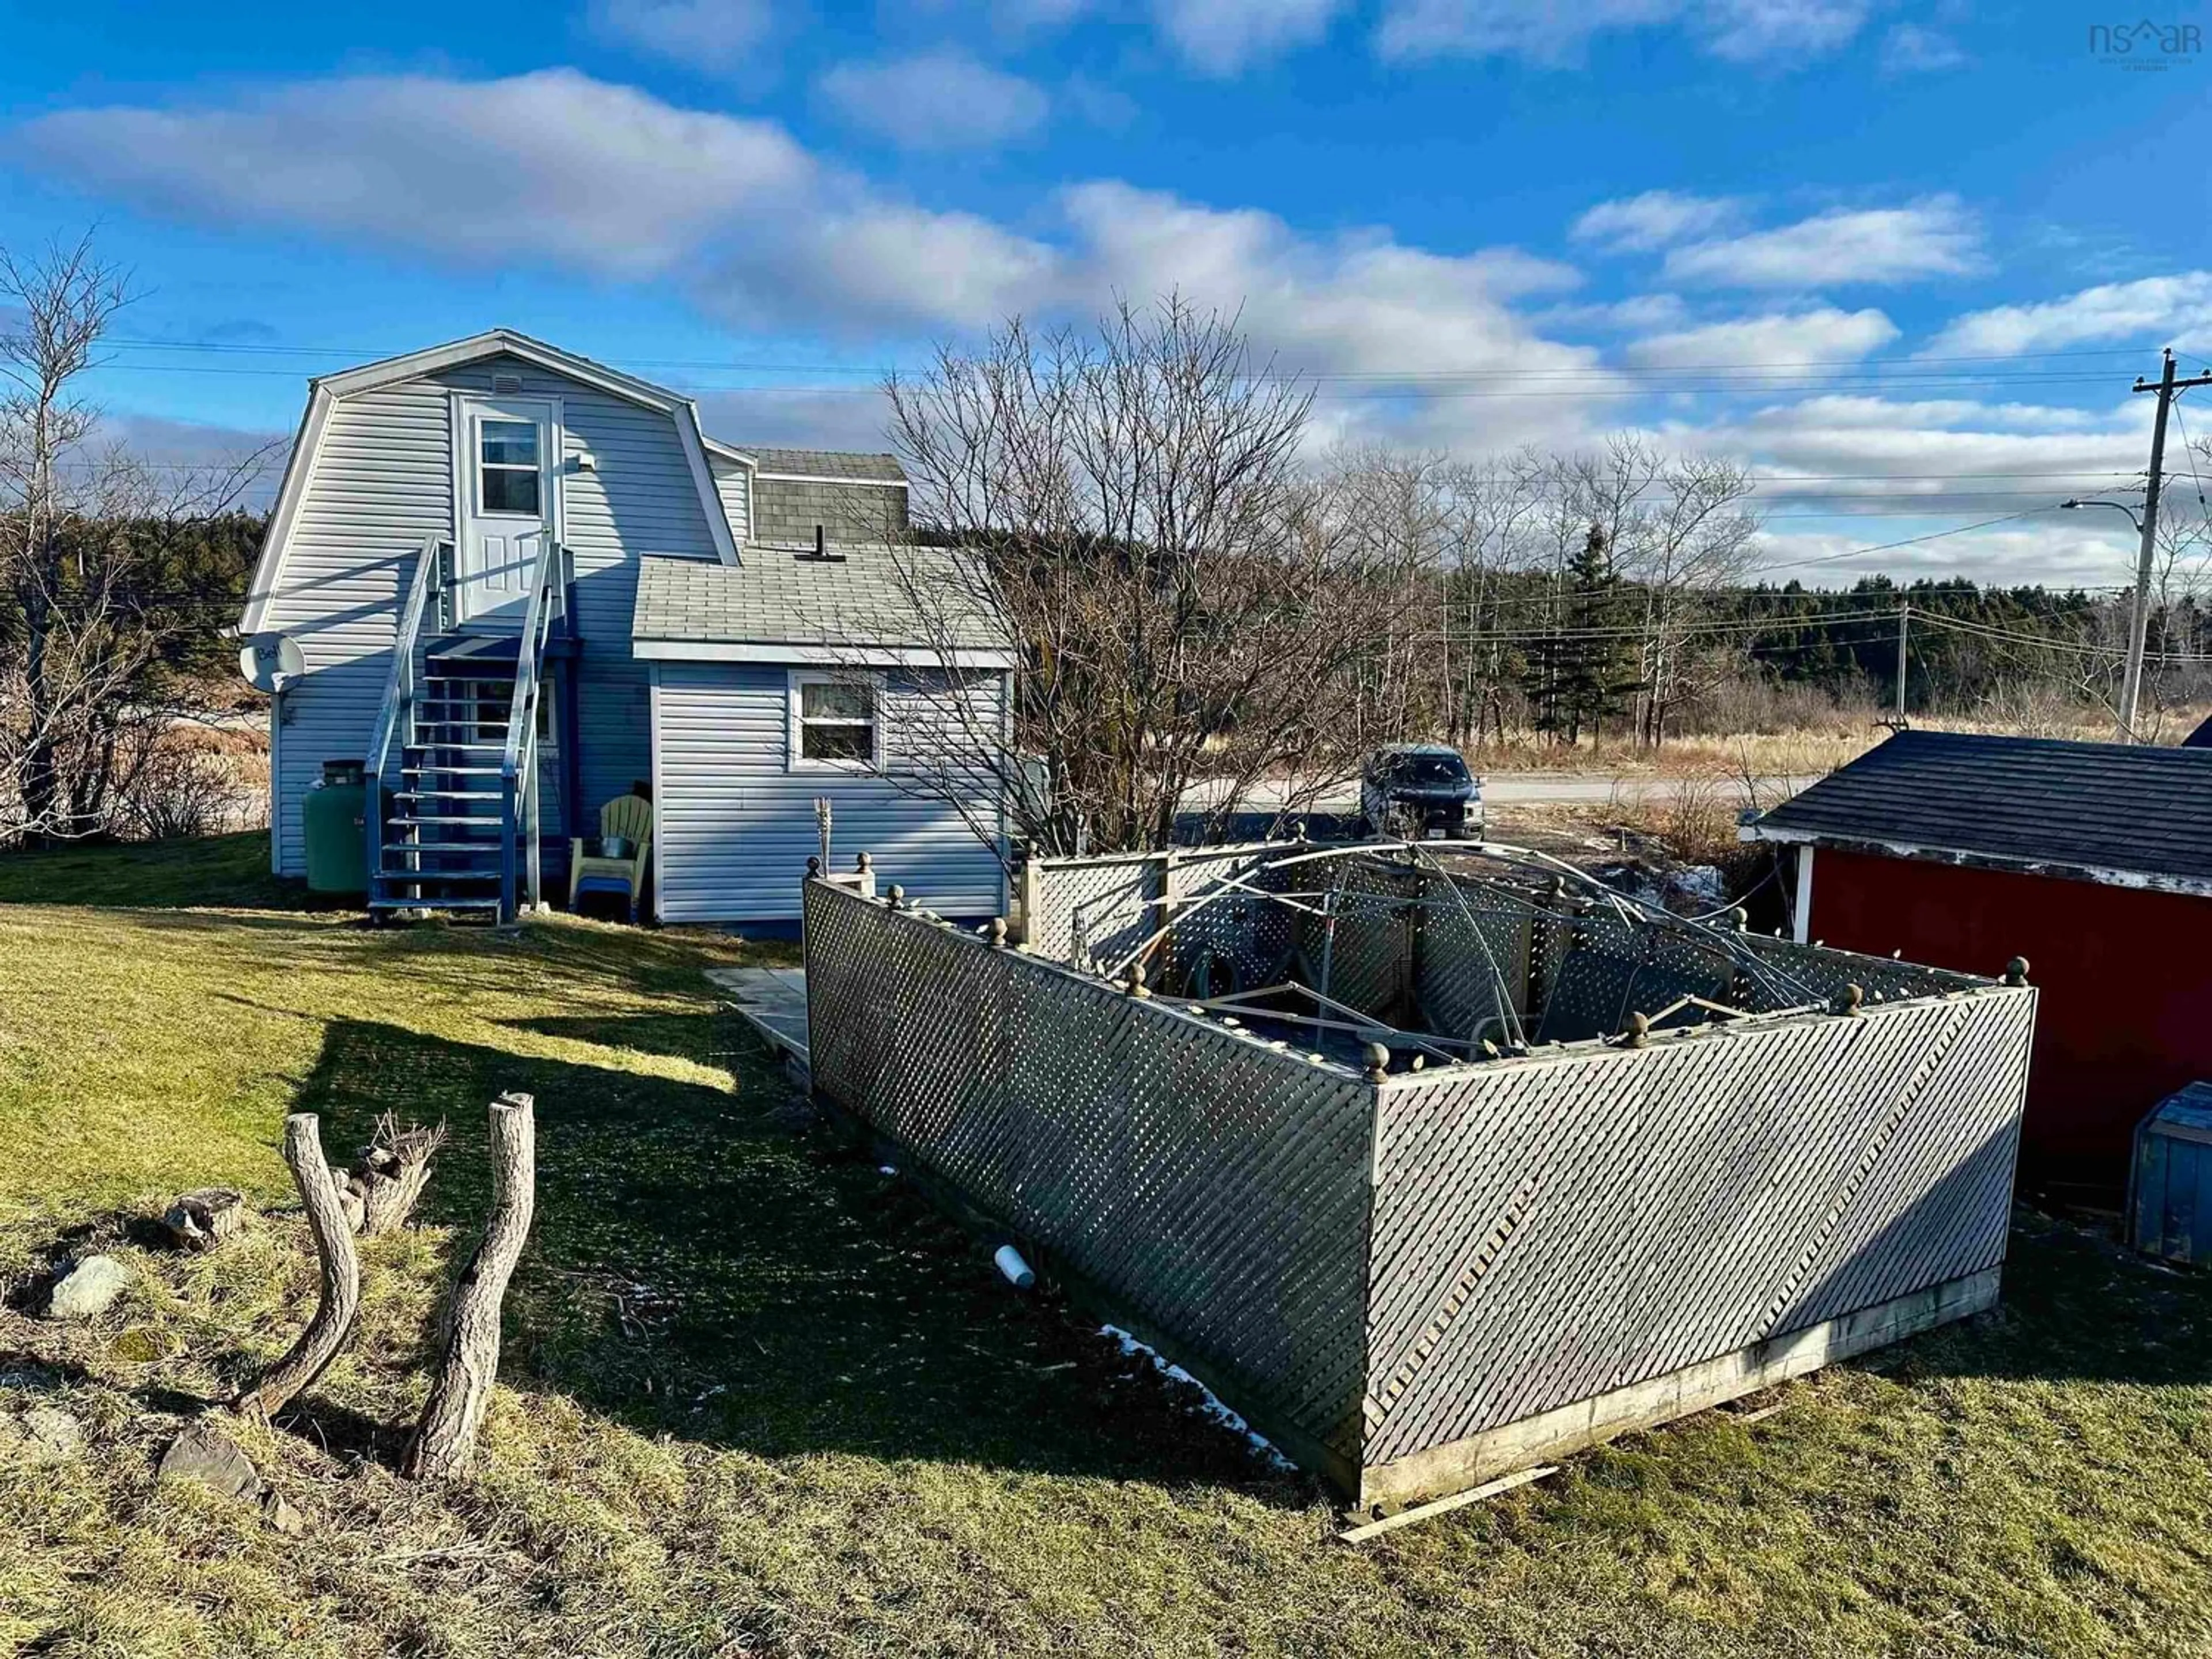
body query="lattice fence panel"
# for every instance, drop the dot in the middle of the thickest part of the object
(1800, 973)
(1551, 1228)
(1472, 948)
(1093, 911)
(1217, 1185)
(1239, 940)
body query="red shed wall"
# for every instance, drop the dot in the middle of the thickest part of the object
(2126, 1014)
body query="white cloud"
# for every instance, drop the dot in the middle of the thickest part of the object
(549, 166)
(1775, 31)
(799, 417)
(1910, 49)
(1222, 37)
(714, 35)
(1559, 32)
(1640, 313)
(2060, 555)
(874, 263)
(939, 101)
(1655, 219)
(1831, 411)
(2177, 307)
(1362, 306)
(1474, 349)
(1824, 335)
(1935, 237)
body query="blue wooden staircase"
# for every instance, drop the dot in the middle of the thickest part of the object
(454, 761)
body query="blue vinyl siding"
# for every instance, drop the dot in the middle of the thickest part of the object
(735, 825)
(383, 480)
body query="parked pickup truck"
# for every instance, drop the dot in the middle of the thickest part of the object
(1421, 792)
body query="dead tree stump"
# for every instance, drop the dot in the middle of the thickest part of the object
(340, 1305)
(445, 1440)
(202, 1219)
(390, 1177)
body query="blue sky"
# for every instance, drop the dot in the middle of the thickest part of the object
(1904, 258)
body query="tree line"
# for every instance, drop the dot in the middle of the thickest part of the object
(1203, 610)
(1204, 606)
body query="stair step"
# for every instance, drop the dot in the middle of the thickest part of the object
(416, 820)
(478, 747)
(448, 794)
(486, 846)
(449, 902)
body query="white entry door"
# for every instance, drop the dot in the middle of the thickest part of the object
(509, 451)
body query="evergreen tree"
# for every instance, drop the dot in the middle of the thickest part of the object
(1583, 676)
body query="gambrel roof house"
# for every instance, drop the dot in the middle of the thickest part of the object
(517, 583)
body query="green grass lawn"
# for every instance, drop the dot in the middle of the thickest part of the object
(760, 1399)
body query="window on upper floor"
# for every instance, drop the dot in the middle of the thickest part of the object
(507, 467)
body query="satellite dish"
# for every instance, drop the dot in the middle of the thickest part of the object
(269, 662)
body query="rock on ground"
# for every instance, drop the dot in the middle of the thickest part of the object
(89, 1288)
(50, 1435)
(279, 1512)
(203, 1453)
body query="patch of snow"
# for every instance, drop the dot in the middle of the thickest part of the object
(887, 1169)
(1702, 882)
(1210, 1404)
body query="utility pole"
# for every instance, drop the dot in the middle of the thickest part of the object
(2167, 389)
(1904, 622)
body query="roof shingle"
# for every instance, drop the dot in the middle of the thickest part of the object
(875, 595)
(2042, 803)
(827, 464)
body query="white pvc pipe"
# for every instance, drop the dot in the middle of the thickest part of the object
(1019, 1273)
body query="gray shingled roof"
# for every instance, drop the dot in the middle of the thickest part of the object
(827, 463)
(776, 597)
(2103, 810)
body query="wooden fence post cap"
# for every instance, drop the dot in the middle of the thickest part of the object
(1378, 1061)
(2016, 971)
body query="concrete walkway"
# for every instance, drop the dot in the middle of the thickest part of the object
(772, 1001)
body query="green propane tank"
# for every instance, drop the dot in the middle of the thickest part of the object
(335, 825)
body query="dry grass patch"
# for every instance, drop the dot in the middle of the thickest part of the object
(761, 1399)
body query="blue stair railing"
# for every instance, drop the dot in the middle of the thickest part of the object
(519, 840)
(429, 593)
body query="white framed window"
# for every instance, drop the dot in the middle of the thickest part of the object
(836, 722)
(507, 466)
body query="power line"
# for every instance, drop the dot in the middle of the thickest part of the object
(1757, 478)
(1602, 383)
(1991, 630)
(1498, 370)
(1909, 541)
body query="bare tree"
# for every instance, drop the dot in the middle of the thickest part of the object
(94, 551)
(66, 299)
(1190, 618)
